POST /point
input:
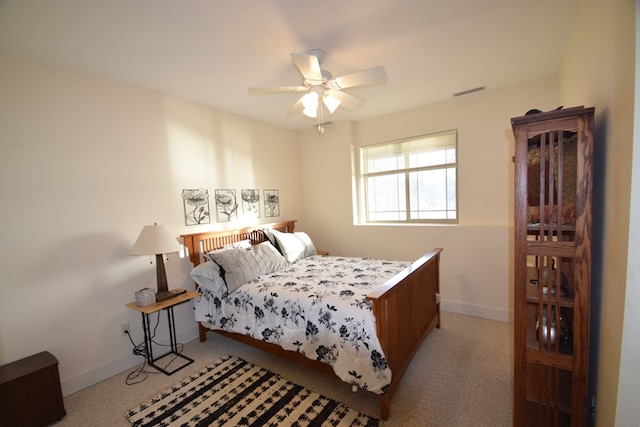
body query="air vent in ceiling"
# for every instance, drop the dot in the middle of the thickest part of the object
(468, 91)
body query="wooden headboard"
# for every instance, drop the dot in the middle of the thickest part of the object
(199, 244)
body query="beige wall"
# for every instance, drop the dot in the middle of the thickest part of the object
(627, 409)
(599, 70)
(477, 257)
(84, 164)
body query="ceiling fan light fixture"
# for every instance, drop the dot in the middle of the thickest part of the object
(331, 102)
(310, 102)
(310, 112)
(310, 99)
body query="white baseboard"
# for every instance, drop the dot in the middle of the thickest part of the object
(93, 376)
(492, 313)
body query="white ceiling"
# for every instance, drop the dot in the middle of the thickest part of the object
(211, 51)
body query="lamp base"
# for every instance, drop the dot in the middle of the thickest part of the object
(165, 295)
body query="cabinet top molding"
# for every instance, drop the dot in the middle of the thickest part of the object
(551, 115)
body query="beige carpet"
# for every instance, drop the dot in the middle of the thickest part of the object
(461, 376)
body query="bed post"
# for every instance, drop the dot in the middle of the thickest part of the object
(202, 332)
(189, 242)
(385, 403)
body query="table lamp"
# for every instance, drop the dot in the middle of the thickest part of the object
(157, 240)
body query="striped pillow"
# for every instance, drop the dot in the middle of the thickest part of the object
(239, 266)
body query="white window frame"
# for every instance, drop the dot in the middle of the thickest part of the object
(441, 142)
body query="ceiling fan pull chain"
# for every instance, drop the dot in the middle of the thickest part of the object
(321, 125)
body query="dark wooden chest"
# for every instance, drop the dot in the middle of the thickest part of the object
(30, 393)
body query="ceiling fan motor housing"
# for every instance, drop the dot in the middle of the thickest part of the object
(318, 53)
(326, 78)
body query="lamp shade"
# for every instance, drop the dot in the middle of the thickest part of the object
(331, 102)
(154, 240)
(310, 102)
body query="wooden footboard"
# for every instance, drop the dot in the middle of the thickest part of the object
(406, 307)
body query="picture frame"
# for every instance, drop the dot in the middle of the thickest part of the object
(196, 206)
(250, 202)
(271, 203)
(226, 205)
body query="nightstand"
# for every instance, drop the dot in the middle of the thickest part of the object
(166, 305)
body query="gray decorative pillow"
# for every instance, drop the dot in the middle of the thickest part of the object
(295, 246)
(240, 266)
(270, 234)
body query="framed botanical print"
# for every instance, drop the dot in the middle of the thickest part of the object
(271, 203)
(226, 205)
(196, 206)
(250, 202)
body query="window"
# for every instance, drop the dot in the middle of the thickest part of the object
(411, 180)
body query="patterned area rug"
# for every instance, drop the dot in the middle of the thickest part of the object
(234, 392)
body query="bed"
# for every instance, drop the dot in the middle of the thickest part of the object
(395, 304)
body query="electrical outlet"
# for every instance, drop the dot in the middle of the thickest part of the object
(124, 328)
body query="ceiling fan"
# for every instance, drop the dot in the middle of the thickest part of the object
(320, 85)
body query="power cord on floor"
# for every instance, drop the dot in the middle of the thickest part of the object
(140, 374)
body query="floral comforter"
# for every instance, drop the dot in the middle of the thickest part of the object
(317, 307)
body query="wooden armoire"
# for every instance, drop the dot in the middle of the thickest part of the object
(552, 274)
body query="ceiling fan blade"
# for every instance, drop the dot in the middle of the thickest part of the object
(308, 65)
(348, 101)
(370, 76)
(277, 89)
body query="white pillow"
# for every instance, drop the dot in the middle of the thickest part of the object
(242, 244)
(239, 266)
(207, 276)
(310, 248)
(295, 246)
